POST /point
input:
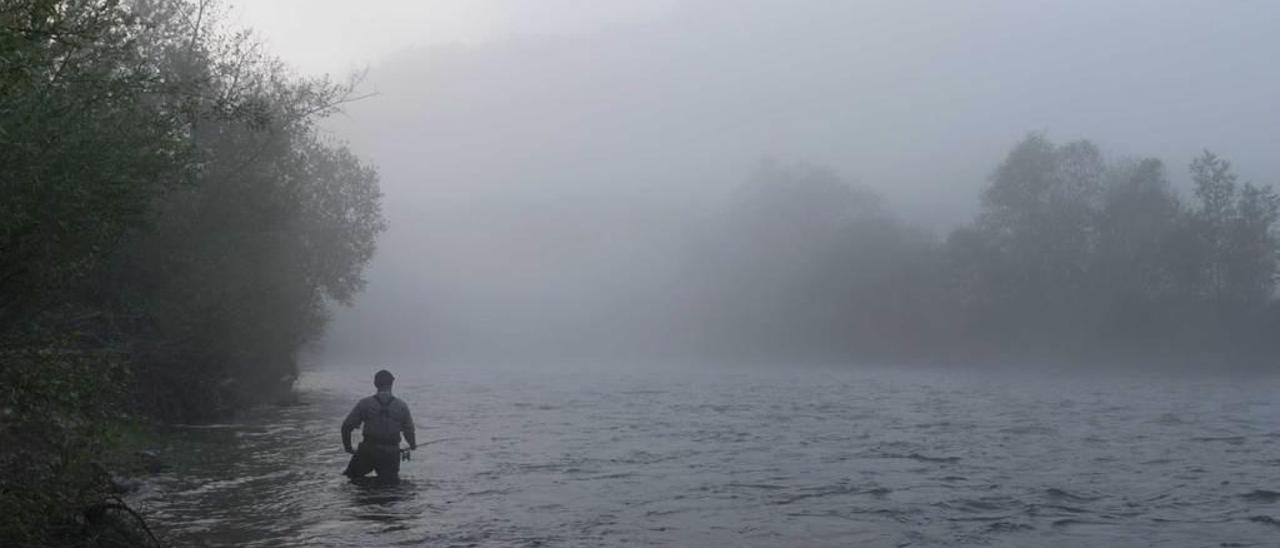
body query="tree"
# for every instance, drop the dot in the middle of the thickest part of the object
(84, 148)
(1251, 276)
(173, 227)
(1235, 233)
(1215, 187)
(277, 225)
(1139, 216)
(780, 223)
(1037, 233)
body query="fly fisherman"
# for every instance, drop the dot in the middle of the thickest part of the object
(385, 417)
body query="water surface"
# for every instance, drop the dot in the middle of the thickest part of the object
(744, 456)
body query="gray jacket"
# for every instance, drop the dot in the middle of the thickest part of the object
(384, 418)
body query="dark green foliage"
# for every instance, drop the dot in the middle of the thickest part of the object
(173, 228)
(55, 404)
(83, 152)
(241, 264)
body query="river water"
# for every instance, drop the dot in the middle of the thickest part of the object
(744, 457)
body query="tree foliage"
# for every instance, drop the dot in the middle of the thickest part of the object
(84, 152)
(1071, 257)
(174, 228)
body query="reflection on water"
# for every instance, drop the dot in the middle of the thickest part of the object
(744, 457)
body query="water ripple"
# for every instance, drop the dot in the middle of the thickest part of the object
(743, 457)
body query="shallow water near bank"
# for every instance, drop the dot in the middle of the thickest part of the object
(743, 456)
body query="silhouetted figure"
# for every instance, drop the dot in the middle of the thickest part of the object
(384, 418)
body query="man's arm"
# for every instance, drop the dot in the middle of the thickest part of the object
(406, 428)
(352, 422)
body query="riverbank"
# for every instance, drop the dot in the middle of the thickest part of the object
(74, 443)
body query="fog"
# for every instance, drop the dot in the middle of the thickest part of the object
(673, 272)
(547, 189)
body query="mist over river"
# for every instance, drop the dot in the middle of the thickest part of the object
(706, 456)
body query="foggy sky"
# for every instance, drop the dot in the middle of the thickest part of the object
(544, 167)
(330, 36)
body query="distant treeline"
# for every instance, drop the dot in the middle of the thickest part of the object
(1071, 259)
(172, 228)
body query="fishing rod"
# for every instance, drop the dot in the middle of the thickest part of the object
(406, 453)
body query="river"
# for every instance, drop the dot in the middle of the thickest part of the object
(703, 456)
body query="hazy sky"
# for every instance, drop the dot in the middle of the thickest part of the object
(542, 160)
(891, 93)
(333, 36)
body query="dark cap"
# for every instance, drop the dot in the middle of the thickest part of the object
(383, 379)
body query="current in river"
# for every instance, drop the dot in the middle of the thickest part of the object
(742, 456)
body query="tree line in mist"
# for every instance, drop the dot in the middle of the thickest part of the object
(172, 229)
(1071, 258)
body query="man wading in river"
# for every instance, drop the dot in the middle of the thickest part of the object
(385, 417)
